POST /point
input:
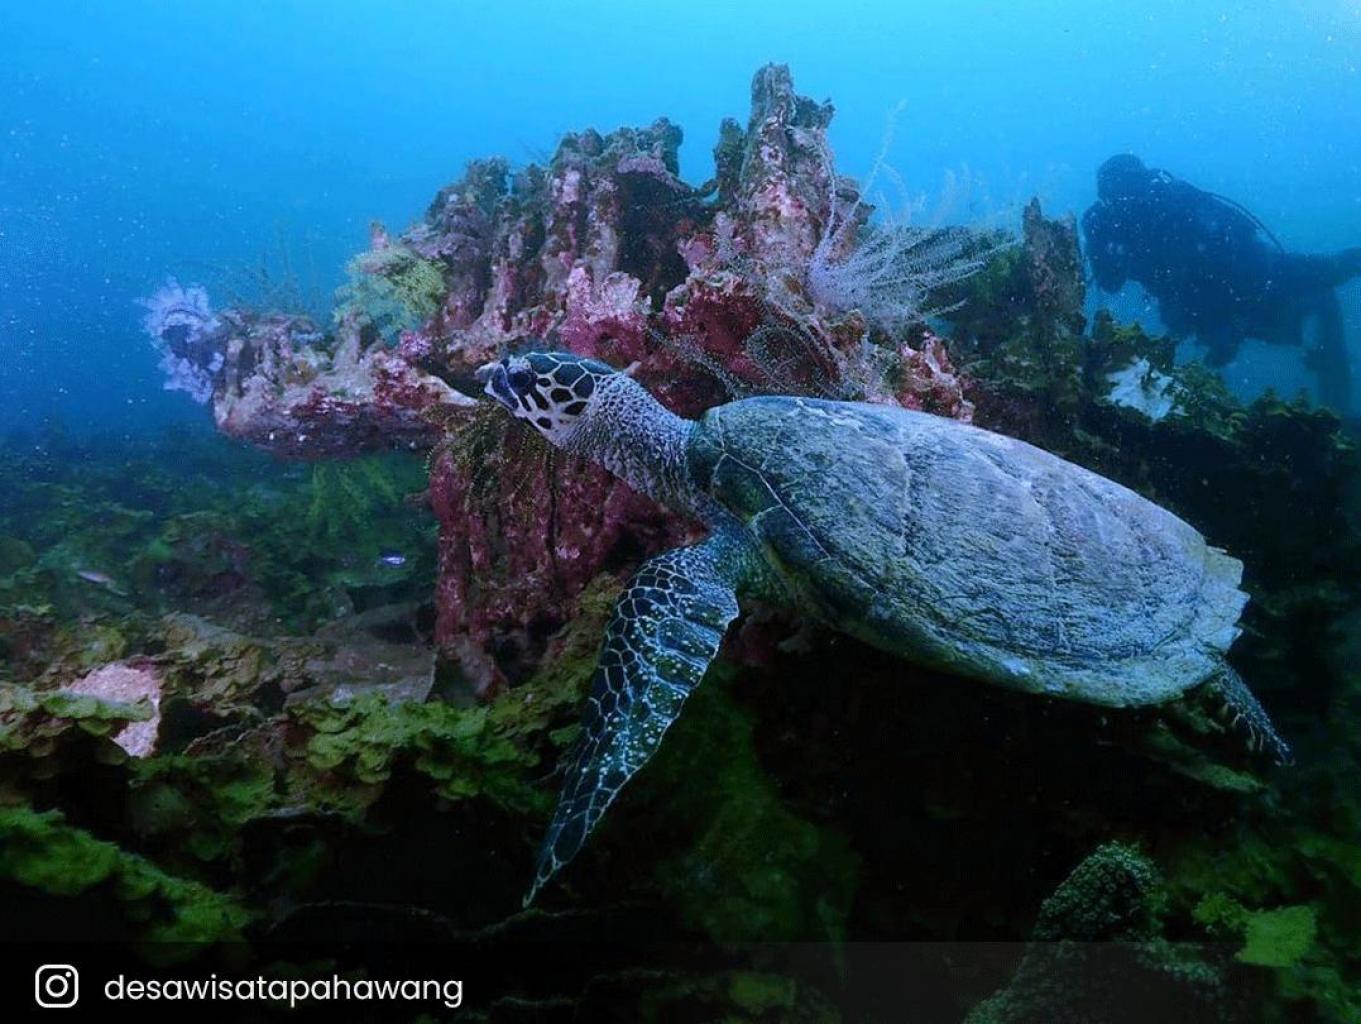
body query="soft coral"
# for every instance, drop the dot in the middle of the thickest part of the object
(886, 270)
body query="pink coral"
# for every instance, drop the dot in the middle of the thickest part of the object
(127, 684)
(608, 312)
(283, 390)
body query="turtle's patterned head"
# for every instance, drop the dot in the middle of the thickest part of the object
(553, 391)
(601, 414)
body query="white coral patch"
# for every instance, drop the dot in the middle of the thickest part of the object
(1138, 386)
(127, 684)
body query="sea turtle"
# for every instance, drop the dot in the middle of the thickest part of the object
(931, 539)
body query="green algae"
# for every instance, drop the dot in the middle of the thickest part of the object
(289, 551)
(390, 290)
(170, 918)
(334, 529)
(1280, 937)
(752, 869)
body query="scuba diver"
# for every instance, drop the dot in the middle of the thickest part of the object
(1216, 271)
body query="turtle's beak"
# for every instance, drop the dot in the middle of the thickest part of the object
(496, 384)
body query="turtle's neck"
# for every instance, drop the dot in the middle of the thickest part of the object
(640, 441)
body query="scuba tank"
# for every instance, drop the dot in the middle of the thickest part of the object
(1165, 178)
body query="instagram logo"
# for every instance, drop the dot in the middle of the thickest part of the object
(56, 986)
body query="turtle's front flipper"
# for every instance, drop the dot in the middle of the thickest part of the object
(665, 630)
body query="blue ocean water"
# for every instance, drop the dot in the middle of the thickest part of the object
(139, 139)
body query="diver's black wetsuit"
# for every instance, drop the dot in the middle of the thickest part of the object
(1214, 270)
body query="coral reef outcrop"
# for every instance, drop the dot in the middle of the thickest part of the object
(606, 252)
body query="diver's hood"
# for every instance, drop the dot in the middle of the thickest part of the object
(1122, 177)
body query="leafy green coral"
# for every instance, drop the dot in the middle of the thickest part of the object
(1248, 892)
(37, 730)
(196, 806)
(262, 786)
(350, 750)
(342, 754)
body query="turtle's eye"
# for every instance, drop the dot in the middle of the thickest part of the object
(521, 379)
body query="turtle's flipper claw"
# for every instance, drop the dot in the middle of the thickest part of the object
(1249, 718)
(666, 629)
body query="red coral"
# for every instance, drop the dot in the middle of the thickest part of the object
(518, 541)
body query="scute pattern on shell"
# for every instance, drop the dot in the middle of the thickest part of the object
(973, 551)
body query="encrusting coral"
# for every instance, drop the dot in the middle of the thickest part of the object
(1097, 956)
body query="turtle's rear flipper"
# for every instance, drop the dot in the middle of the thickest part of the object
(665, 631)
(1249, 717)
